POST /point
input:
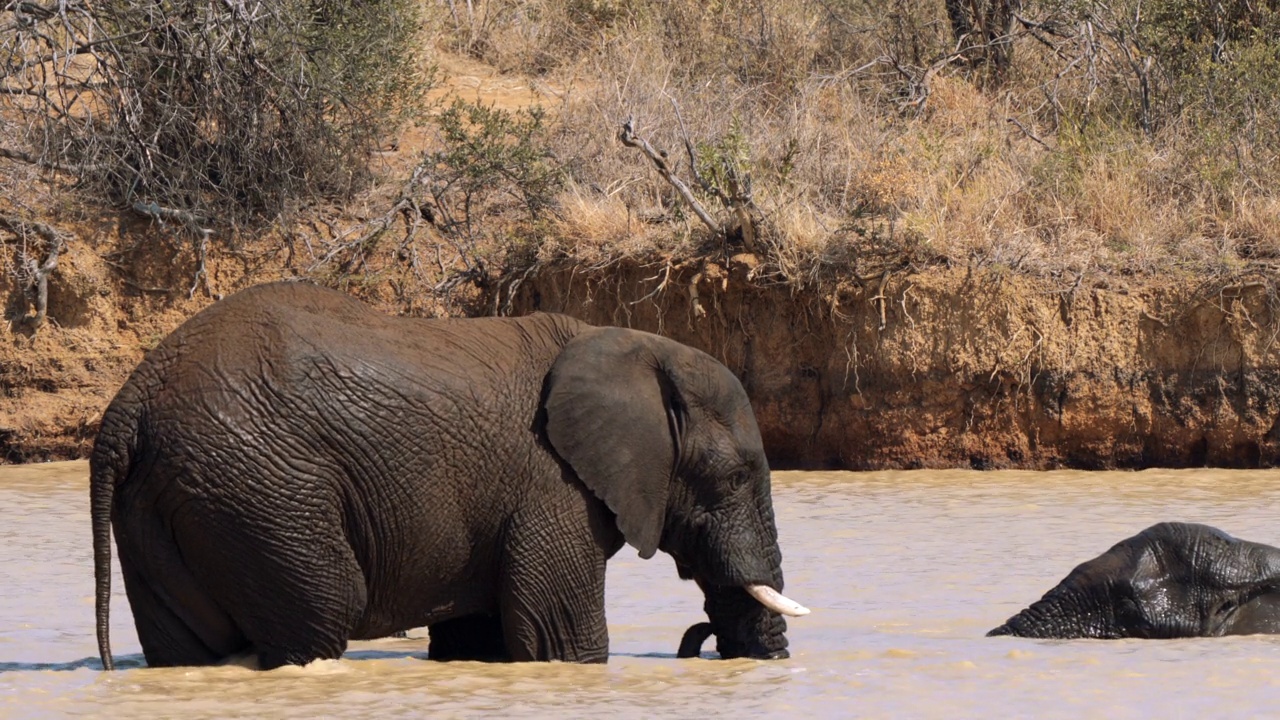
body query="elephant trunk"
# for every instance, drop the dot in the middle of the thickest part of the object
(743, 627)
(1267, 563)
(1059, 616)
(733, 555)
(1028, 623)
(744, 600)
(694, 637)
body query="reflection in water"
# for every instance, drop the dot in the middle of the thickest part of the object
(904, 571)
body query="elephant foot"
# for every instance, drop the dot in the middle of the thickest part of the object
(691, 643)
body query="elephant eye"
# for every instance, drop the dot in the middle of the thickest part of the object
(738, 480)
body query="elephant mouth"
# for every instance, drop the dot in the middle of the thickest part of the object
(746, 621)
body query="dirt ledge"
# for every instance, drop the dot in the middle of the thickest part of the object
(958, 367)
(941, 367)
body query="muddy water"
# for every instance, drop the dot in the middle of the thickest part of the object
(904, 572)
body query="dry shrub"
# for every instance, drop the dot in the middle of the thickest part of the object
(222, 111)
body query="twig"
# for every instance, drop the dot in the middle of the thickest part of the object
(1028, 133)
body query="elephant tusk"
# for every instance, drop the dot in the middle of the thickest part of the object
(776, 601)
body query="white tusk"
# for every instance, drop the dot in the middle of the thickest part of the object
(776, 601)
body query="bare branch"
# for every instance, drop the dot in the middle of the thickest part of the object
(707, 187)
(153, 210)
(195, 226)
(628, 137)
(37, 283)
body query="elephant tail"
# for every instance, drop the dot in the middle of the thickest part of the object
(112, 454)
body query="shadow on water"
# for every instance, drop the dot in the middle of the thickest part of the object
(383, 655)
(659, 655)
(420, 655)
(123, 662)
(130, 662)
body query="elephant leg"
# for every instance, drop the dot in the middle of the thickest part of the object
(291, 582)
(166, 640)
(177, 622)
(475, 637)
(552, 593)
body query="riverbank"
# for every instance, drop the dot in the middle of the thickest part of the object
(918, 367)
(967, 367)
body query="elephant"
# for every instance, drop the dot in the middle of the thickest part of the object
(291, 469)
(1172, 580)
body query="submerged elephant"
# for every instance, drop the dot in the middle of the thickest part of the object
(290, 470)
(1168, 581)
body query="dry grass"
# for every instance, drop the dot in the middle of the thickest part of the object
(861, 147)
(1049, 173)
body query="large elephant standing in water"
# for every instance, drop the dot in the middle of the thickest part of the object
(1168, 581)
(290, 470)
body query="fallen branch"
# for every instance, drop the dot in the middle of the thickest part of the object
(628, 137)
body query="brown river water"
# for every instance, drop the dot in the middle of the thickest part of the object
(904, 571)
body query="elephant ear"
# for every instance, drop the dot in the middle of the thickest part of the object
(611, 414)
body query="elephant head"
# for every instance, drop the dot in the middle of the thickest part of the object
(665, 436)
(1170, 580)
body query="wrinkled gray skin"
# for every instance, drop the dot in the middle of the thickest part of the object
(290, 470)
(1171, 580)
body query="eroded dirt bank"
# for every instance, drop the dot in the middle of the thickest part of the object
(961, 367)
(941, 367)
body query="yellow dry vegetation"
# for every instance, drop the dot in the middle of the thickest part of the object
(854, 134)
